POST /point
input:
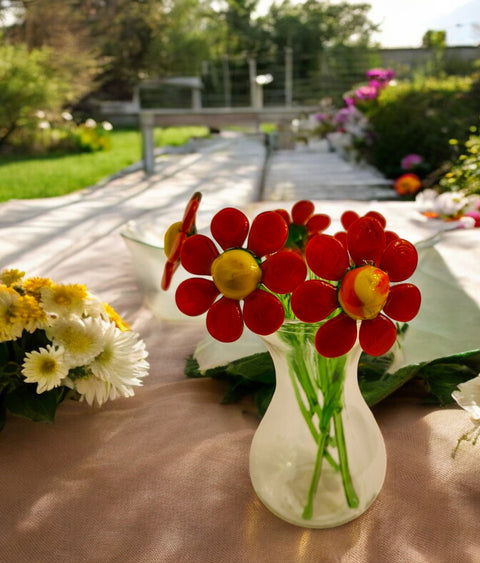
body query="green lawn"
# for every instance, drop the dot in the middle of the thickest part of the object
(54, 175)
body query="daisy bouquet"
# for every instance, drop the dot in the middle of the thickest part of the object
(59, 341)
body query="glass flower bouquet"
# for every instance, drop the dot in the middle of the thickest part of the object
(59, 341)
(316, 300)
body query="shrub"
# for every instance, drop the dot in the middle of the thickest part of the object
(27, 86)
(420, 117)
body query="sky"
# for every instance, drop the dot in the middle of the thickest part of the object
(404, 22)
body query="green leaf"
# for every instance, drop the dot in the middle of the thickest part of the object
(442, 379)
(262, 398)
(258, 367)
(3, 411)
(24, 401)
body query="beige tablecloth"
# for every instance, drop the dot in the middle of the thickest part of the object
(163, 476)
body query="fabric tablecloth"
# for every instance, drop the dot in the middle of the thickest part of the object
(163, 476)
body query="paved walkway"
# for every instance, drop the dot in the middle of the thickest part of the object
(312, 172)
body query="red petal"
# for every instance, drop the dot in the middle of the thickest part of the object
(326, 257)
(403, 302)
(229, 227)
(399, 260)
(284, 213)
(336, 337)
(377, 336)
(302, 211)
(262, 312)
(268, 233)
(190, 212)
(314, 300)
(168, 271)
(390, 236)
(195, 296)
(178, 242)
(283, 271)
(378, 216)
(318, 223)
(224, 320)
(198, 253)
(366, 240)
(347, 218)
(342, 237)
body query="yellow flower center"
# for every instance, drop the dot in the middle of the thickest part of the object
(169, 237)
(236, 273)
(364, 292)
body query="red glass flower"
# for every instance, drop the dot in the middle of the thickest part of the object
(349, 216)
(175, 236)
(239, 274)
(359, 288)
(303, 224)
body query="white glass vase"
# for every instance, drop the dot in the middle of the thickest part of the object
(318, 457)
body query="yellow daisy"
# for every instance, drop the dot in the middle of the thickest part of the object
(31, 314)
(11, 324)
(11, 277)
(116, 318)
(34, 286)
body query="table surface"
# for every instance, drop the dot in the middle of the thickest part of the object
(163, 476)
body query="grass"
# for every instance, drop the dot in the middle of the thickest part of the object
(28, 177)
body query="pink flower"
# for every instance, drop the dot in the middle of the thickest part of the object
(410, 161)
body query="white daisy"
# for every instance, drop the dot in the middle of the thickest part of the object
(122, 361)
(45, 367)
(92, 390)
(82, 339)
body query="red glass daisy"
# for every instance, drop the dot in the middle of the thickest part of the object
(175, 236)
(303, 224)
(360, 287)
(349, 216)
(239, 274)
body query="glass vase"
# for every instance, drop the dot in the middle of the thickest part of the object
(318, 457)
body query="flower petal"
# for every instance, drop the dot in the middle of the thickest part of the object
(285, 214)
(390, 236)
(342, 237)
(168, 271)
(403, 302)
(399, 260)
(318, 223)
(197, 254)
(366, 241)
(224, 320)
(348, 217)
(377, 336)
(229, 227)
(378, 216)
(302, 211)
(195, 296)
(314, 300)
(190, 212)
(336, 337)
(283, 271)
(327, 257)
(268, 233)
(262, 312)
